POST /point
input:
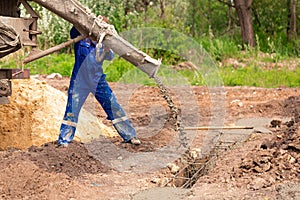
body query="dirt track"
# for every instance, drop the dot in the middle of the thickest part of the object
(264, 167)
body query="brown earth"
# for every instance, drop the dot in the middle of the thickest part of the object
(266, 166)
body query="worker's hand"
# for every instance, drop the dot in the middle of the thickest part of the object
(106, 49)
(103, 18)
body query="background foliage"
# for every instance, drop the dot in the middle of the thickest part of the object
(207, 21)
(212, 23)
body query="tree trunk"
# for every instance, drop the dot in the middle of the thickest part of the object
(292, 28)
(162, 9)
(243, 9)
(230, 19)
(193, 16)
(146, 4)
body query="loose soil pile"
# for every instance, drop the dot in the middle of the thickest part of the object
(34, 115)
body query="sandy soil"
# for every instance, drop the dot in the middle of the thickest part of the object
(266, 166)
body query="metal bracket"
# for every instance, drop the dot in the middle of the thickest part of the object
(14, 74)
(5, 83)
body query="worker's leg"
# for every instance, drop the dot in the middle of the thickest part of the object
(114, 110)
(76, 98)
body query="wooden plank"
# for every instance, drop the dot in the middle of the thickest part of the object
(218, 127)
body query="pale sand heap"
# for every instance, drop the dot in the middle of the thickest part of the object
(35, 113)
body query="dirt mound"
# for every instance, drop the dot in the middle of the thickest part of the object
(34, 115)
(276, 160)
(265, 160)
(73, 161)
(292, 107)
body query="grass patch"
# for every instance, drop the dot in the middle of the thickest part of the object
(54, 63)
(255, 76)
(117, 69)
(123, 71)
(250, 76)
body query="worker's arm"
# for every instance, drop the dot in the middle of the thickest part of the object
(74, 33)
(109, 54)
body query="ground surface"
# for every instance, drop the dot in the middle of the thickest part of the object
(265, 166)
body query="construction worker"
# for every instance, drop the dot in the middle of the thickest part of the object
(88, 77)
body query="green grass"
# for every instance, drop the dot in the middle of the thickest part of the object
(121, 70)
(251, 76)
(54, 63)
(117, 69)
(255, 76)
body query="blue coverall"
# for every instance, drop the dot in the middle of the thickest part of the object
(88, 77)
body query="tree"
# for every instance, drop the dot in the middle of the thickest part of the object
(243, 10)
(231, 19)
(162, 8)
(207, 17)
(292, 26)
